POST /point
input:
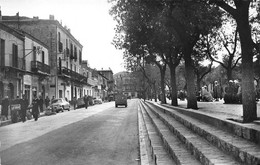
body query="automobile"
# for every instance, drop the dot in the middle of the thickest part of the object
(80, 102)
(97, 101)
(59, 104)
(120, 99)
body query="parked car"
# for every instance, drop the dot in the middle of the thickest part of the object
(59, 104)
(80, 102)
(120, 99)
(97, 101)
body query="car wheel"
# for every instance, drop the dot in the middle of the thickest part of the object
(116, 105)
(56, 110)
(69, 108)
(126, 105)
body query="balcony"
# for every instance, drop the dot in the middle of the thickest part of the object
(39, 67)
(65, 71)
(74, 76)
(11, 66)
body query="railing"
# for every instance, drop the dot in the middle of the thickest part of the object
(39, 66)
(73, 75)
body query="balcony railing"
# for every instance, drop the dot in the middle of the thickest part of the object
(65, 71)
(40, 67)
(73, 75)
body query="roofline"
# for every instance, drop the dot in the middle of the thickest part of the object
(55, 22)
(33, 38)
(12, 31)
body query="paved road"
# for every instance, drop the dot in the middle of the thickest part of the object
(99, 135)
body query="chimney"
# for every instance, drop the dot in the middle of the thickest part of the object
(51, 17)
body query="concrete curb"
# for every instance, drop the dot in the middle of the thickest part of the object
(8, 122)
(142, 140)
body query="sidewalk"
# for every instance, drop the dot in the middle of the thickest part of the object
(7, 122)
(218, 109)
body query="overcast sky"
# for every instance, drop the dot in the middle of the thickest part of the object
(89, 21)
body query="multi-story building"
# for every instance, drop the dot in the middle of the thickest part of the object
(110, 82)
(125, 83)
(88, 89)
(37, 66)
(64, 50)
(11, 62)
(24, 64)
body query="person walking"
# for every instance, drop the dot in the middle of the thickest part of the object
(86, 101)
(35, 108)
(216, 91)
(47, 101)
(5, 107)
(24, 106)
(41, 103)
(74, 101)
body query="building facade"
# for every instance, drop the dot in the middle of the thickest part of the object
(65, 54)
(108, 74)
(11, 62)
(125, 83)
(37, 66)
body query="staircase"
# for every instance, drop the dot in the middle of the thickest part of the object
(176, 136)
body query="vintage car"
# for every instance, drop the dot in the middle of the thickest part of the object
(59, 104)
(98, 101)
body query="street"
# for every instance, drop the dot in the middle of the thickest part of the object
(101, 134)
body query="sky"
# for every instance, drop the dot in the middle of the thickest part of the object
(89, 21)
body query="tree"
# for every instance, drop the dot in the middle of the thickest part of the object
(184, 20)
(239, 10)
(190, 19)
(230, 43)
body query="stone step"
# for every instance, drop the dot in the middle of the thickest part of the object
(172, 144)
(158, 155)
(242, 150)
(248, 131)
(202, 150)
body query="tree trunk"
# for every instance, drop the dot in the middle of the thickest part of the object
(155, 91)
(173, 86)
(190, 79)
(163, 98)
(229, 74)
(198, 83)
(248, 93)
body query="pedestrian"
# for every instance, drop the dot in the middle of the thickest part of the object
(35, 108)
(206, 95)
(24, 105)
(47, 101)
(5, 107)
(86, 101)
(229, 92)
(40, 103)
(74, 101)
(52, 98)
(216, 91)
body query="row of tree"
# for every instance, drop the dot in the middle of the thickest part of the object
(163, 32)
